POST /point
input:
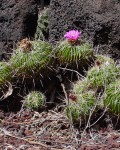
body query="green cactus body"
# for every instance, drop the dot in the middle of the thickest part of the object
(35, 100)
(112, 97)
(86, 101)
(104, 59)
(82, 105)
(68, 53)
(73, 111)
(33, 61)
(42, 26)
(101, 76)
(5, 73)
(80, 86)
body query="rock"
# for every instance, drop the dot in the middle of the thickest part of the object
(18, 19)
(98, 20)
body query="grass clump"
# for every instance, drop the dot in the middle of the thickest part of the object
(35, 100)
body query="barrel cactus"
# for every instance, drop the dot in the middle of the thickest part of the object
(5, 73)
(78, 54)
(35, 100)
(80, 86)
(102, 74)
(42, 24)
(27, 61)
(73, 111)
(112, 97)
(102, 59)
(81, 106)
(81, 102)
(72, 50)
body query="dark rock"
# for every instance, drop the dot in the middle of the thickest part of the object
(99, 21)
(18, 19)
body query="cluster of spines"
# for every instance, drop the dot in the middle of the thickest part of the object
(5, 73)
(70, 54)
(81, 101)
(103, 72)
(42, 27)
(38, 55)
(88, 95)
(35, 100)
(38, 58)
(111, 97)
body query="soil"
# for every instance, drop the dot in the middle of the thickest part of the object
(51, 130)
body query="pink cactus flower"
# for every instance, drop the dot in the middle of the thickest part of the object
(72, 35)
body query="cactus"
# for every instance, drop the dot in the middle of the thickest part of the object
(80, 86)
(33, 60)
(81, 107)
(5, 73)
(35, 100)
(42, 27)
(73, 111)
(78, 54)
(80, 102)
(104, 59)
(101, 75)
(112, 97)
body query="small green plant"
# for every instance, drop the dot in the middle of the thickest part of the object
(81, 101)
(35, 100)
(80, 86)
(42, 26)
(112, 97)
(78, 54)
(81, 107)
(73, 50)
(73, 111)
(33, 60)
(5, 73)
(101, 75)
(104, 59)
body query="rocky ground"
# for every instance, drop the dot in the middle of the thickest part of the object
(51, 130)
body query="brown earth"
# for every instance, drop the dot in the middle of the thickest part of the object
(51, 130)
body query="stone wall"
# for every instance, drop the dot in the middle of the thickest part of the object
(99, 21)
(18, 19)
